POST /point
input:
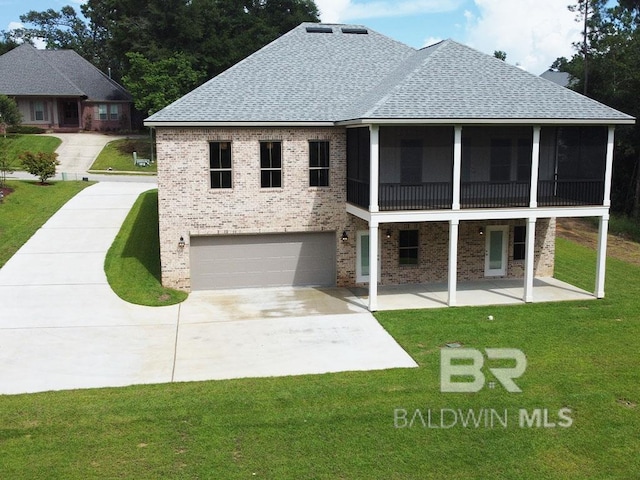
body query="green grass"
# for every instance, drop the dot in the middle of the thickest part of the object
(132, 264)
(26, 209)
(581, 355)
(118, 155)
(16, 144)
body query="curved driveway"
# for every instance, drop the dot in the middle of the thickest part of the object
(62, 327)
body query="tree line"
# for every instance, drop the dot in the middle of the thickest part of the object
(606, 67)
(162, 49)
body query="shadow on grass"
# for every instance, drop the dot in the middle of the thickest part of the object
(143, 243)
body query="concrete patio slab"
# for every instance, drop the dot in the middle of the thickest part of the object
(478, 293)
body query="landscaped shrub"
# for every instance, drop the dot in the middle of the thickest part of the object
(25, 130)
(41, 164)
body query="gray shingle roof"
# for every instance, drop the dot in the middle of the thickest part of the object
(26, 71)
(337, 77)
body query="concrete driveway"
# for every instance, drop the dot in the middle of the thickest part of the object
(62, 327)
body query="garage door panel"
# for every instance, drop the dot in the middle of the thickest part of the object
(263, 260)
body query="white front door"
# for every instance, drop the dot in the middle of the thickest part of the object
(495, 259)
(362, 257)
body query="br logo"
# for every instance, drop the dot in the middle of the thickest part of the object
(468, 363)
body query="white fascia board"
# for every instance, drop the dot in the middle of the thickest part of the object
(487, 121)
(477, 214)
(238, 124)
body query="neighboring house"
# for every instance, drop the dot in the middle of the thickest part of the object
(563, 79)
(338, 156)
(60, 90)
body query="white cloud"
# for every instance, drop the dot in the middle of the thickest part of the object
(533, 33)
(332, 11)
(14, 26)
(431, 41)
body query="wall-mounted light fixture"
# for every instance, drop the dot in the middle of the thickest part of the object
(388, 233)
(344, 236)
(181, 242)
(481, 231)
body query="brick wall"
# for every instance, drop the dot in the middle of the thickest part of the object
(189, 207)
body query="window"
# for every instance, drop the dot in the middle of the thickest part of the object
(270, 164)
(319, 164)
(102, 111)
(220, 164)
(519, 242)
(39, 111)
(408, 252)
(114, 114)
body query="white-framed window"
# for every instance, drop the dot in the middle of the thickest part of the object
(114, 112)
(519, 242)
(220, 164)
(39, 111)
(318, 163)
(103, 111)
(270, 164)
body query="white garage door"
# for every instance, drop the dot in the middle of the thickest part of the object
(291, 259)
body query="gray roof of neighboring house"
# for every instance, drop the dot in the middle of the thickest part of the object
(561, 78)
(26, 71)
(305, 77)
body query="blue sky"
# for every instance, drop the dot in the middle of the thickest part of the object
(532, 32)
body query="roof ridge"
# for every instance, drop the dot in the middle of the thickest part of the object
(402, 77)
(55, 67)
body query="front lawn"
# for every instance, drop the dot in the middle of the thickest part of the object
(27, 208)
(14, 145)
(582, 356)
(117, 156)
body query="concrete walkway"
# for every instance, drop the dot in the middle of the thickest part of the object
(62, 327)
(78, 151)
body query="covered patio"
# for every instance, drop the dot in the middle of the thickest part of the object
(476, 293)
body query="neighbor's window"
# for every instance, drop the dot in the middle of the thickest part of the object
(39, 112)
(319, 164)
(102, 111)
(270, 164)
(220, 164)
(408, 251)
(114, 113)
(519, 242)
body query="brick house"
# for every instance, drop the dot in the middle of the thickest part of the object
(60, 90)
(336, 155)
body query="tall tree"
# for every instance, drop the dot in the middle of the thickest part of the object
(613, 78)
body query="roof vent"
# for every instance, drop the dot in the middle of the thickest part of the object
(356, 31)
(319, 30)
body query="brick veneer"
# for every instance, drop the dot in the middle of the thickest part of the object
(189, 207)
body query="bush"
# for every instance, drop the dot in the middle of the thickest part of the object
(25, 130)
(41, 164)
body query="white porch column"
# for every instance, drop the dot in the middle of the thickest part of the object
(453, 262)
(601, 261)
(535, 164)
(457, 166)
(529, 264)
(374, 167)
(608, 169)
(373, 266)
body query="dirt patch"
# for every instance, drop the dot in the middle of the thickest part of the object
(584, 233)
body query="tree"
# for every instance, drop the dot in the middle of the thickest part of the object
(9, 113)
(499, 54)
(7, 42)
(5, 165)
(42, 164)
(154, 85)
